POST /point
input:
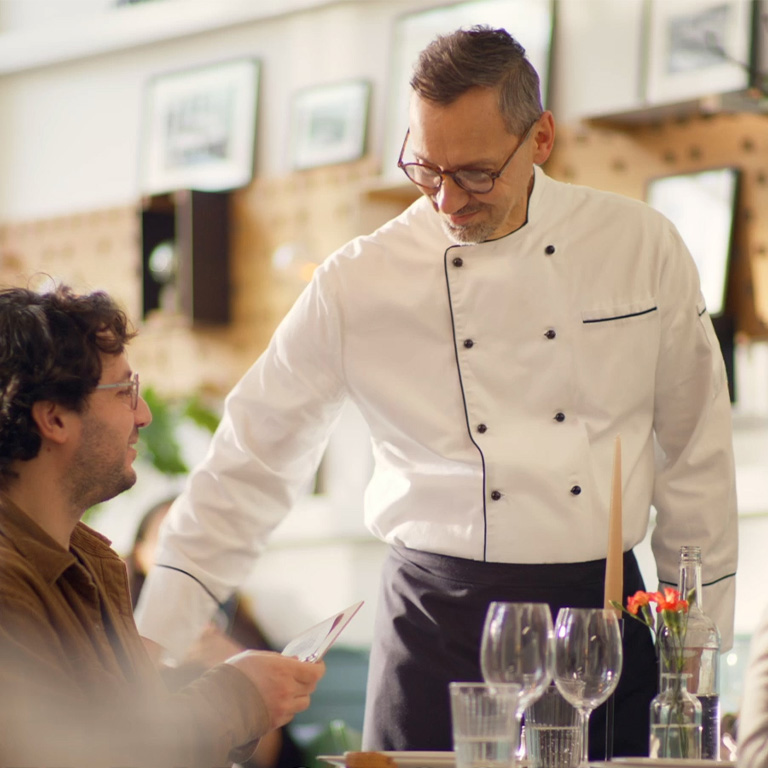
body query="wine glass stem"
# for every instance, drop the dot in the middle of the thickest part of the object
(521, 753)
(584, 717)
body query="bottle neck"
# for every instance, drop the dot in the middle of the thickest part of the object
(690, 575)
(675, 681)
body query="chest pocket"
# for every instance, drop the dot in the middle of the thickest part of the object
(621, 314)
(617, 357)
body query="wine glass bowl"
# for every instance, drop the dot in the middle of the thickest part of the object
(588, 660)
(518, 647)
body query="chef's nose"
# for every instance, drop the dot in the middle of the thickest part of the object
(450, 197)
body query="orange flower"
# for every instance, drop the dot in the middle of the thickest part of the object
(669, 601)
(637, 601)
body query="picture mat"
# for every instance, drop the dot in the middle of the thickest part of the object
(680, 65)
(312, 644)
(328, 124)
(176, 158)
(702, 207)
(528, 21)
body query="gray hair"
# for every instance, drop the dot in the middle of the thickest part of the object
(481, 57)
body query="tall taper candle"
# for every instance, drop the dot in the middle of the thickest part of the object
(614, 564)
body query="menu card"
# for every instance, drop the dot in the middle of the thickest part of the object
(312, 644)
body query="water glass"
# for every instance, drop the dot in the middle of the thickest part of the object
(484, 721)
(553, 731)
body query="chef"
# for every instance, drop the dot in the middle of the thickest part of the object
(496, 336)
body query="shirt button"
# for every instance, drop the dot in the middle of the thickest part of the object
(576, 490)
(468, 343)
(482, 428)
(549, 250)
(495, 495)
(559, 417)
(458, 262)
(550, 334)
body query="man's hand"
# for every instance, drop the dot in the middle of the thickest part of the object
(285, 683)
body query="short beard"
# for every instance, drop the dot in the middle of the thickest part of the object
(97, 473)
(469, 235)
(112, 484)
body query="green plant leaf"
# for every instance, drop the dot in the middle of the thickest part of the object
(158, 439)
(201, 415)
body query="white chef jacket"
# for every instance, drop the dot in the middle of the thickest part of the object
(494, 378)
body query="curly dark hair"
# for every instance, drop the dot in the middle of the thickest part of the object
(481, 57)
(50, 349)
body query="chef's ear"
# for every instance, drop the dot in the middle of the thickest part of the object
(543, 137)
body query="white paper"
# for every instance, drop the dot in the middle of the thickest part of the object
(312, 644)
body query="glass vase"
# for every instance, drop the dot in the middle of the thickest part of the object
(675, 720)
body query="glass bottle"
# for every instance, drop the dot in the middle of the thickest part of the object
(700, 652)
(675, 720)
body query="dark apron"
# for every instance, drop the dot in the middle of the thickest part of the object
(427, 633)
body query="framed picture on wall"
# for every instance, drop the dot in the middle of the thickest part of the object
(528, 21)
(199, 128)
(328, 124)
(697, 48)
(702, 205)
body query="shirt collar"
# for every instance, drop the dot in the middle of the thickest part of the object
(541, 184)
(39, 549)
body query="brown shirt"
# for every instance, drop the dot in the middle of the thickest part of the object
(76, 685)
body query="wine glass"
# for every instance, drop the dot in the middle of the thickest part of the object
(518, 647)
(588, 660)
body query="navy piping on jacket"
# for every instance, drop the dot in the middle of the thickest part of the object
(464, 399)
(621, 317)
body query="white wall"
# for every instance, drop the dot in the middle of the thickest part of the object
(69, 137)
(70, 133)
(16, 15)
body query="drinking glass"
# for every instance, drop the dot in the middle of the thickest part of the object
(518, 647)
(588, 660)
(553, 731)
(483, 723)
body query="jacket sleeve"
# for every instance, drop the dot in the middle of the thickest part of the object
(60, 710)
(276, 424)
(695, 486)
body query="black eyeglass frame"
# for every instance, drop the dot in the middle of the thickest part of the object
(492, 175)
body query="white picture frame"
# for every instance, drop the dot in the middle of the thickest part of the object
(702, 206)
(528, 21)
(697, 48)
(328, 124)
(199, 128)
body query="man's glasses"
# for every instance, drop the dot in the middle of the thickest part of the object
(132, 385)
(472, 180)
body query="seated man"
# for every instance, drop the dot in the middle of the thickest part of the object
(78, 688)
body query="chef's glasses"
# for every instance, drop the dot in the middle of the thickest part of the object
(472, 180)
